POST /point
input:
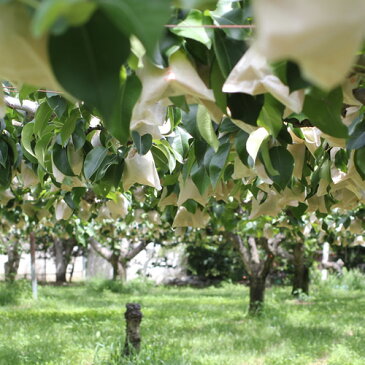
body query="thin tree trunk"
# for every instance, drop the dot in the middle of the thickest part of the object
(257, 294)
(33, 267)
(301, 271)
(12, 265)
(61, 264)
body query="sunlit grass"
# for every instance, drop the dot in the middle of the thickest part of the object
(85, 325)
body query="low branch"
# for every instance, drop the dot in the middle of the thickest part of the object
(28, 106)
(104, 252)
(284, 254)
(135, 251)
(338, 265)
(273, 243)
(245, 256)
(255, 257)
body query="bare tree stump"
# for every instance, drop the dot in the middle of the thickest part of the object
(133, 317)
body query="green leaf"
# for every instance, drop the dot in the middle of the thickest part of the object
(189, 163)
(240, 145)
(105, 165)
(359, 160)
(180, 142)
(94, 160)
(169, 159)
(5, 176)
(189, 28)
(118, 126)
(270, 115)
(294, 77)
(233, 17)
(324, 111)
(160, 158)
(27, 137)
(86, 61)
(200, 178)
(114, 174)
(74, 12)
(60, 159)
(218, 162)
(189, 121)
(142, 143)
(25, 91)
(205, 127)
(196, 4)
(283, 163)
(226, 126)
(41, 148)
(175, 154)
(264, 149)
(200, 149)
(69, 126)
(216, 83)
(245, 107)
(78, 136)
(144, 19)
(4, 151)
(357, 137)
(58, 104)
(228, 51)
(180, 102)
(13, 148)
(41, 118)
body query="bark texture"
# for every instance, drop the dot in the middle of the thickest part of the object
(133, 317)
(301, 271)
(257, 255)
(63, 253)
(257, 294)
(12, 265)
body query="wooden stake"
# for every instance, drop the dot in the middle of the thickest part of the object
(133, 317)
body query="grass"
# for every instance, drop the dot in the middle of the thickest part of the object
(84, 325)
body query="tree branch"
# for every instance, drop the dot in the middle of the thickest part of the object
(245, 256)
(135, 251)
(104, 252)
(255, 257)
(28, 106)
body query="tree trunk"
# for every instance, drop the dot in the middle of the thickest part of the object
(12, 265)
(119, 268)
(63, 250)
(61, 264)
(301, 271)
(257, 293)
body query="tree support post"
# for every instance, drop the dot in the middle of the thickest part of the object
(133, 317)
(32, 266)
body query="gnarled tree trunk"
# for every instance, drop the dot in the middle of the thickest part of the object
(301, 271)
(63, 250)
(257, 294)
(12, 265)
(118, 259)
(119, 267)
(257, 267)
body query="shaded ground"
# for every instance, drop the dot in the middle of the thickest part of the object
(83, 325)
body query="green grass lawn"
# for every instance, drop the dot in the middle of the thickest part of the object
(83, 325)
